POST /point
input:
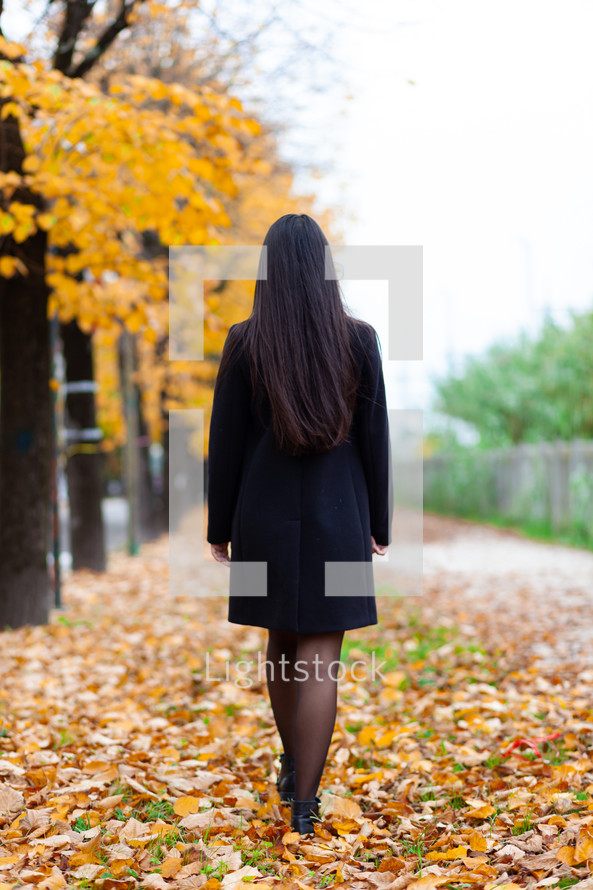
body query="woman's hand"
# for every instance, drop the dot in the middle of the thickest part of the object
(381, 549)
(220, 552)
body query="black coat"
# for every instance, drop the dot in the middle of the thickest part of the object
(296, 513)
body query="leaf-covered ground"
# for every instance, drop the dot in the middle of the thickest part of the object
(128, 759)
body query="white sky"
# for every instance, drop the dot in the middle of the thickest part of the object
(486, 161)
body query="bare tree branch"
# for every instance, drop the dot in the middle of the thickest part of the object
(75, 16)
(106, 39)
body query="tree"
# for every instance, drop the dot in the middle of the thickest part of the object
(91, 171)
(165, 48)
(531, 389)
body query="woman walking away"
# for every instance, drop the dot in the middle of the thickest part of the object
(299, 478)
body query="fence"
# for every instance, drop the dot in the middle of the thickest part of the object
(548, 484)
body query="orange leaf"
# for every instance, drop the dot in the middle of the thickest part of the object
(184, 806)
(362, 780)
(428, 882)
(452, 853)
(565, 854)
(170, 866)
(367, 735)
(456, 852)
(477, 842)
(481, 812)
(392, 864)
(508, 886)
(345, 826)
(584, 847)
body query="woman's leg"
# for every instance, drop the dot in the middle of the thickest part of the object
(304, 701)
(280, 659)
(316, 679)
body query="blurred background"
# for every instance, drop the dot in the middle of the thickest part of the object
(464, 127)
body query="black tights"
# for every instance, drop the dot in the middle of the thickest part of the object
(304, 700)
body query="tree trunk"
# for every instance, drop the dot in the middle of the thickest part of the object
(130, 455)
(163, 508)
(161, 517)
(84, 470)
(25, 416)
(146, 495)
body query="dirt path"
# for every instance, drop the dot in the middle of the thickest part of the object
(499, 579)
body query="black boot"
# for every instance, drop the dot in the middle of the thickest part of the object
(286, 779)
(303, 814)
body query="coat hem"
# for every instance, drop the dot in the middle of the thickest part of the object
(316, 630)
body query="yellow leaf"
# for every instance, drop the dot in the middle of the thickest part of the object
(11, 49)
(134, 320)
(291, 837)
(345, 826)
(385, 740)
(428, 882)
(8, 860)
(394, 864)
(7, 223)
(456, 852)
(184, 806)
(477, 842)
(53, 882)
(508, 886)
(46, 221)
(11, 264)
(202, 166)
(584, 847)
(367, 735)
(247, 803)
(253, 126)
(31, 164)
(170, 867)
(24, 231)
(566, 854)
(368, 777)
(343, 807)
(10, 108)
(118, 866)
(87, 857)
(395, 678)
(23, 212)
(481, 812)
(452, 853)
(158, 8)
(421, 765)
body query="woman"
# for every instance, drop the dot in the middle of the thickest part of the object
(299, 475)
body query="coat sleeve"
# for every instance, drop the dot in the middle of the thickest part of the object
(375, 444)
(228, 432)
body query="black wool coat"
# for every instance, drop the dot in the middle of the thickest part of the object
(297, 513)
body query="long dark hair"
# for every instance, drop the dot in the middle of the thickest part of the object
(298, 341)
